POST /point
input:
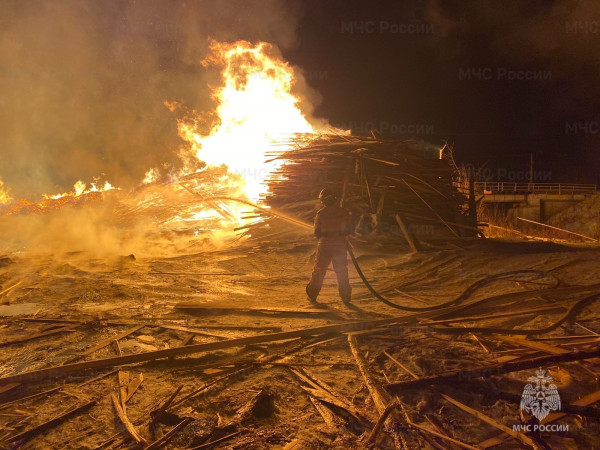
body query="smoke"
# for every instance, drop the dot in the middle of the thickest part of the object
(87, 90)
(82, 83)
(155, 220)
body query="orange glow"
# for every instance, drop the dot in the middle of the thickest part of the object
(255, 109)
(80, 188)
(4, 195)
(151, 176)
(80, 195)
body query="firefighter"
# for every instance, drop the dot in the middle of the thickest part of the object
(332, 226)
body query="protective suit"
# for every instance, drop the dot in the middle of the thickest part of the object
(332, 225)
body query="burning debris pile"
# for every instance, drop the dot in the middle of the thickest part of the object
(163, 217)
(80, 196)
(22, 206)
(390, 186)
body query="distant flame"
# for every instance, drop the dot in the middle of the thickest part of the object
(151, 176)
(4, 195)
(255, 108)
(80, 188)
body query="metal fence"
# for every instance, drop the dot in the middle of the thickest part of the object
(501, 187)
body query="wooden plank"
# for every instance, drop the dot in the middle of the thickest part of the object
(194, 331)
(492, 370)
(230, 309)
(382, 418)
(586, 400)
(170, 435)
(437, 426)
(323, 394)
(99, 377)
(329, 418)
(133, 386)
(411, 423)
(402, 366)
(384, 161)
(574, 338)
(117, 347)
(8, 289)
(442, 436)
(216, 441)
(366, 178)
(123, 323)
(198, 391)
(8, 387)
(559, 229)
(37, 375)
(188, 340)
(454, 224)
(30, 397)
(126, 422)
(166, 404)
(586, 329)
(478, 340)
(50, 320)
(105, 343)
(37, 336)
(195, 274)
(380, 397)
(296, 444)
(412, 241)
(535, 345)
(51, 423)
(123, 382)
(580, 343)
(520, 436)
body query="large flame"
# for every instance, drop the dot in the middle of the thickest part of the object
(4, 195)
(255, 108)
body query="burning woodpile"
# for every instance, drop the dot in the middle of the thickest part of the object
(390, 186)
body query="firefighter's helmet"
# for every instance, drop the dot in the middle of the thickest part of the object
(327, 196)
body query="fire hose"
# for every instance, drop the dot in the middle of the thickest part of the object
(572, 312)
(569, 315)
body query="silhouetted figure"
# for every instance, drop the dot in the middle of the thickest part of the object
(332, 225)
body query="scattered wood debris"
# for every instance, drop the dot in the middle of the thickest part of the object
(445, 377)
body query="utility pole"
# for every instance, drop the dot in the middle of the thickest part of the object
(472, 203)
(531, 171)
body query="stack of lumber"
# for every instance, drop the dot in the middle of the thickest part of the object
(377, 180)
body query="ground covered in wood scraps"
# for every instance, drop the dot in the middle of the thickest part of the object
(221, 349)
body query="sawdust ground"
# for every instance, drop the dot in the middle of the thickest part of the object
(266, 274)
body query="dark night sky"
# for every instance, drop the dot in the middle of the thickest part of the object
(370, 76)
